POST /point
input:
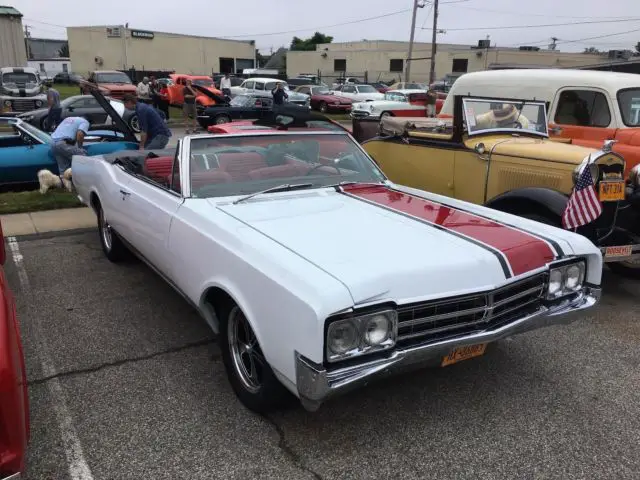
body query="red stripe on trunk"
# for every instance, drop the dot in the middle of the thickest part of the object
(524, 252)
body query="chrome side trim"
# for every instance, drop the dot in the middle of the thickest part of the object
(315, 384)
(15, 476)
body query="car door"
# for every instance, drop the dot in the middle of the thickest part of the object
(258, 87)
(247, 87)
(175, 92)
(584, 114)
(22, 156)
(262, 106)
(88, 108)
(151, 208)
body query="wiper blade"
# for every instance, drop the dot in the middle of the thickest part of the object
(279, 188)
(343, 184)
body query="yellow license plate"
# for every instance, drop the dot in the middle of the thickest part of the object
(611, 191)
(464, 353)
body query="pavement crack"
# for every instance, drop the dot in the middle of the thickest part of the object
(117, 363)
(288, 450)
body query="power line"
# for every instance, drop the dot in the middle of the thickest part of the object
(521, 14)
(636, 19)
(252, 35)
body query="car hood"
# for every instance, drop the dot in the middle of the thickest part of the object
(33, 113)
(115, 112)
(530, 147)
(379, 252)
(386, 104)
(118, 86)
(297, 96)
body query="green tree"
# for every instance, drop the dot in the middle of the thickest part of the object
(64, 51)
(309, 44)
(592, 50)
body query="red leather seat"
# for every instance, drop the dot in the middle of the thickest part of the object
(239, 164)
(211, 177)
(158, 168)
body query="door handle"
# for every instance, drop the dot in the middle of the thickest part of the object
(125, 193)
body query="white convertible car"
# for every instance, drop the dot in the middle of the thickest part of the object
(317, 273)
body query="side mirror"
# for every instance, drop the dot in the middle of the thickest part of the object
(480, 148)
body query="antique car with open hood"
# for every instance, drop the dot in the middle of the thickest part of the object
(496, 152)
(319, 274)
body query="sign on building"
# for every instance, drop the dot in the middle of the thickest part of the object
(142, 34)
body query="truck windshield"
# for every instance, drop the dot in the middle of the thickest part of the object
(19, 78)
(112, 77)
(629, 101)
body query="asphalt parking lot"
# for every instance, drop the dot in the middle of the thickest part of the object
(126, 382)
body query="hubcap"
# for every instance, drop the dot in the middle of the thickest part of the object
(323, 107)
(134, 124)
(247, 357)
(105, 230)
(221, 120)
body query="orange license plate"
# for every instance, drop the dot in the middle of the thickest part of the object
(464, 353)
(611, 191)
(623, 251)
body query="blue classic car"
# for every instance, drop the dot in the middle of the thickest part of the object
(24, 150)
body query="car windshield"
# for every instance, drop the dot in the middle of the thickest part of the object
(415, 86)
(203, 82)
(240, 101)
(112, 77)
(629, 101)
(484, 115)
(395, 96)
(241, 165)
(366, 89)
(22, 78)
(39, 134)
(320, 90)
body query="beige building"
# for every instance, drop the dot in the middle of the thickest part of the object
(13, 52)
(386, 60)
(121, 48)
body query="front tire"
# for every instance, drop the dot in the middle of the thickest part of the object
(134, 123)
(112, 246)
(323, 107)
(249, 374)
(220, 119)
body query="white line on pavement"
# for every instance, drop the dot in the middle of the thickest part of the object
(78, 467)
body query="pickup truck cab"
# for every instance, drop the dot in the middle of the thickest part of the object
(584, 107)
(110, 83)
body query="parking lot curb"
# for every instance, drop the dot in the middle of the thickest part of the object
(48, 221)
(51, 234)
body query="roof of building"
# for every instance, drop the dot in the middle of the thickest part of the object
(250, 42)
(278, 59)
(7, 11)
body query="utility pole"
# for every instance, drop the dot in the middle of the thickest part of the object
(27, 33)
(434, 43)
(407, 71)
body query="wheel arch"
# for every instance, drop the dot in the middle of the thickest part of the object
(545, 201)
(217, 300)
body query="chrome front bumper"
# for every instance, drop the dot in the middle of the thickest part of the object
(315, 384)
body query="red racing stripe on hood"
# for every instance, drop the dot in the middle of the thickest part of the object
(523, 252)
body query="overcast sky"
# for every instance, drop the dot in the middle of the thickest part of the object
(265, 20)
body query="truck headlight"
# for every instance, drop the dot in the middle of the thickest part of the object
(565, 280)
(634, 176)
(7, 103)
(38, 103)
(359, 335)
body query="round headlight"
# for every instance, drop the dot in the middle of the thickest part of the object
(342, 337)
(38, 103)
(7, 103)
(377, 330)
(574, 277)
(634, 176)
(555, 282)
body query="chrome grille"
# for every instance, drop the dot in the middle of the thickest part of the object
(23, 105)
(441, 319)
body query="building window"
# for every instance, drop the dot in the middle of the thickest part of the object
(42, 67)
(339, 65)
(396, 65)
(460, 65)
(585, 108)
(65, 68)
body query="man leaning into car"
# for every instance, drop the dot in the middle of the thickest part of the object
(67, 141)
(154, 133)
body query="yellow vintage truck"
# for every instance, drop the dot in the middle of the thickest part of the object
(497, 152)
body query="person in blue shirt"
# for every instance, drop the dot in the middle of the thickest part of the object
(154, 133)
(67, 141)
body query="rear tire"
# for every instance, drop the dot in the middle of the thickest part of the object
(249, 374)
(323, 107)
(220, 119)
(112, 246)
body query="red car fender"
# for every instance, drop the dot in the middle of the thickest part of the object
(14, 399)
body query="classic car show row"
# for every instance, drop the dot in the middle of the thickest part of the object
(322, 259)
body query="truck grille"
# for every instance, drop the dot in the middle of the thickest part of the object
(442, 319)
(23, 105)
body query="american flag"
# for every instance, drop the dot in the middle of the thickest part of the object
(583, 206)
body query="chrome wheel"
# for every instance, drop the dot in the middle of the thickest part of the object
(323, 107)
(105, 231)
(222, 119)
(248, 361)
(134, 124)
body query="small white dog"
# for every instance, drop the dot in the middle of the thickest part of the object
(49, 180)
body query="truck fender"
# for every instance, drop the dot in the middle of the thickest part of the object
(536, 200)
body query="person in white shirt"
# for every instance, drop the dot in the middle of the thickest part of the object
(225, 85)
(143, 91)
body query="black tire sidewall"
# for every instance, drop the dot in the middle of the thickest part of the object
(118, 251)
(323, 107)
